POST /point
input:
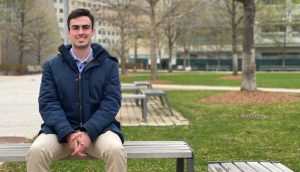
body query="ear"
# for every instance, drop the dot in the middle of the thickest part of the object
(93, 32)
(68, 32)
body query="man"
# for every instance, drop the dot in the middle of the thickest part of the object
(78, 101)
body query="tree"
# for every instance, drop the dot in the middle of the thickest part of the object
(153, 38)
(44, 37)
(235, 20)
(177, 11)
(117, 13)
(23, 29)
(229, 13)
(249, 67)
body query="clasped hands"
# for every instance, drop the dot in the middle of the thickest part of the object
(78, 143)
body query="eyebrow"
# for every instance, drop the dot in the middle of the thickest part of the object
(83, 26)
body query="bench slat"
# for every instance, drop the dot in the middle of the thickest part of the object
(230, 167)
(282, 167)
(135, 149)
(270, 166)
(215, 168)
(244, 166)
(258, 167)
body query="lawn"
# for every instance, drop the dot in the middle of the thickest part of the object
(263, 79)
(216, 132)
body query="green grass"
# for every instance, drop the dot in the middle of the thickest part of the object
(263, 79)
(216, 133)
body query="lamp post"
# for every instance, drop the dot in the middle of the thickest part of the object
(66, 13)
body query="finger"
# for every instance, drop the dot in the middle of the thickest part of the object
(78, 149)
(82, 154)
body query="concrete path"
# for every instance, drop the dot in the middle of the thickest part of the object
(19, 114)
(18, 105)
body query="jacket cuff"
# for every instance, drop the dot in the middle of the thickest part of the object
(62, 132)
(91, 130)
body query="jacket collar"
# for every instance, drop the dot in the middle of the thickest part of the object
(99, 52)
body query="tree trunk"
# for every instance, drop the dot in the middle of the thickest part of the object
(170, 56)
(234, 26)
(153, 38)
(135, 53)
(185, 57)
(123, 59)
(249, 67)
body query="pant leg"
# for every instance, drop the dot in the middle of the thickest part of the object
(43, 151)
(109, 147)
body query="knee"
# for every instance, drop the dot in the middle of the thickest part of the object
(37, 152)
(116, 150)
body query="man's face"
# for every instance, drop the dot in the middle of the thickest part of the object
(81, 32)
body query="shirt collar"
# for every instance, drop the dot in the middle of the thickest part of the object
(86, 60)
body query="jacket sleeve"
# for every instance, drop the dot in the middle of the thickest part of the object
(110, 104)
(49, 106)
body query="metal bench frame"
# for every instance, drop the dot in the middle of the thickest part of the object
(135, 149)
(137, 97)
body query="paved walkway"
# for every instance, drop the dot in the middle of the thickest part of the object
(19, 109)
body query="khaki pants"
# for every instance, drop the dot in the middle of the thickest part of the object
(46, 148)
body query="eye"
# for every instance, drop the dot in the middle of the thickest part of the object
(86, 27)
(75, 27)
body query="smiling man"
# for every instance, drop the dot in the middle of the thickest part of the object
(79, 99)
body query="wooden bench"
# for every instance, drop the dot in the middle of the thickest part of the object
(135, 149)
(144, 84)
(157, 92)
(137, 97)
(31, 69)
(270, 68)
(247, 166)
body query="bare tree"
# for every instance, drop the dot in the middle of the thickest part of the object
(230, 14)
(153, 38)
(249, 67)
(117, 14)
(235, 20)
(23, 28)
(44, 36)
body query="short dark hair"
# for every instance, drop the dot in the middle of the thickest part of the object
(78, 13)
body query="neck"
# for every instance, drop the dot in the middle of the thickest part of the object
(81, 53)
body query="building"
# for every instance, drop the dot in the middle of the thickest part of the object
(277, 41)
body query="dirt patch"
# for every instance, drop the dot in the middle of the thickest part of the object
(247, 97)
(159, 82)
(231, 77)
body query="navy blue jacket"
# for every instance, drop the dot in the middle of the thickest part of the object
(70, 101)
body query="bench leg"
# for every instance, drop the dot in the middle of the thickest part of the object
(168, 104)
(144, 109)
(180, 165)
(161, 100)
(190, 165)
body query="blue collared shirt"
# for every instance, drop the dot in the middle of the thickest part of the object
(81, 64)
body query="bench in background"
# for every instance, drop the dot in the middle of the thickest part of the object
(138, 97)
(135, 149)
(217, 68)
(247, 166)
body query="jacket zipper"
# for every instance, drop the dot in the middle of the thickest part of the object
(80, 101)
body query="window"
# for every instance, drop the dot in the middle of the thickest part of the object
(273, 28)
(61, 1)
(61, 20)
(61, 10)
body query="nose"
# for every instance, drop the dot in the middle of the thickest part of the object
(80, 30)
